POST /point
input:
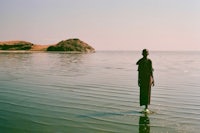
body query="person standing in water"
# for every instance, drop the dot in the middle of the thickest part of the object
(145, 79)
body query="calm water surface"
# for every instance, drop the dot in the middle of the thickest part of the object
(97, 93)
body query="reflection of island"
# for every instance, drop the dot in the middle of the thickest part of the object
(70, 45)
(144, 124)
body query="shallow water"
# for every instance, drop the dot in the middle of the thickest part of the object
(87, 93)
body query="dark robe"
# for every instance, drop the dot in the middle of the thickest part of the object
(145, 77)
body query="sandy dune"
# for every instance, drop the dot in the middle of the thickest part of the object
(39, 47)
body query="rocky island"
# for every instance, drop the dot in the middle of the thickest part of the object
(71, 45)
(15, 45)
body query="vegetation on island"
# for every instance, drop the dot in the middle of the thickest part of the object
(15, 45)
(70, 45)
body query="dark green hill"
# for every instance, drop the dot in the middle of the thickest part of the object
(72, 45)
(15, 45)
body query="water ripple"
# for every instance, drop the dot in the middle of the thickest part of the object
(57, 92)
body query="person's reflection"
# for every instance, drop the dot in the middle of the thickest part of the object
(144, 124)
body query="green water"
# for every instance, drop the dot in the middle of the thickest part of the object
(97, 93)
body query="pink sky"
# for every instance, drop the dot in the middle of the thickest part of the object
(104, 24)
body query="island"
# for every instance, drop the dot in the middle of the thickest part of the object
(73, 45)
(15, 45)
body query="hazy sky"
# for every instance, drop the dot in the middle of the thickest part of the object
(104, 24)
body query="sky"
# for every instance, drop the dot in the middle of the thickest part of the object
(166, 25)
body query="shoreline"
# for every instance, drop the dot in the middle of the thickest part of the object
(42, 51)
(73, 45)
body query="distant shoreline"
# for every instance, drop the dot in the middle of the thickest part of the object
(41, 51)
(74, 45)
